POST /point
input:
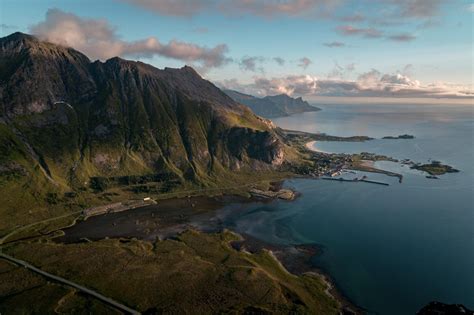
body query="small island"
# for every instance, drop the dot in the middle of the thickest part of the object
(435, 168)
(405, 136)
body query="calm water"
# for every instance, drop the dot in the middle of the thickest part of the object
(390, 249)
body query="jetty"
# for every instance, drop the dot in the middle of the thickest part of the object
(356, 180)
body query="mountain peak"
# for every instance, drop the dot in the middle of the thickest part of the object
(185, 70)
(19, 36)
(16, 42)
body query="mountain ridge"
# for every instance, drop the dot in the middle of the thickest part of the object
(65, 120)
(272, 106)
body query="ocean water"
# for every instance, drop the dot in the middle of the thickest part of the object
(390, 249)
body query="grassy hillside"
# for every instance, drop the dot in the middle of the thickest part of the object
(67, 124)
(196, 271)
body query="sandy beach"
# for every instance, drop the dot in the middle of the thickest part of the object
(312, 147)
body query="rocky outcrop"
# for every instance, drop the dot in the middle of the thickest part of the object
(438, 308)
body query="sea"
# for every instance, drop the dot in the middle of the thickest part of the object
(388, 249)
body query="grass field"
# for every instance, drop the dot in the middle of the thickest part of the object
(195, 273)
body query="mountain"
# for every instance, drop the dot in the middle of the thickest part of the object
(272, 106)
(65, 120)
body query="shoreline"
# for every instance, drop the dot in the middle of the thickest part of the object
(180, 215)
(312, 147)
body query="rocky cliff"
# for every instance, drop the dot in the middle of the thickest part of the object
(65, 119)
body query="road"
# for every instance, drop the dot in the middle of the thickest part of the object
(79, 287)
(21, 228)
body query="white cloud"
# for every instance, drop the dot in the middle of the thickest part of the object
(349, 30)
(369, 84)
(98, 40)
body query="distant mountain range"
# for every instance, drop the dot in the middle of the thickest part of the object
(272, 106)
(65, 119)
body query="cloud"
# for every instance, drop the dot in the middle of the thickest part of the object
(304, 62)
(404, 37)
(349, 30)
(262, 8)
(280, 61)
(288, 8)
(251, 63)
(97, 39)
(417, 8)
(340, 71)
(369, 84)
(296, 84)
(172, 7)
(470, 7)
(334, 44)
(354, 18)
(407, 70)
(265, 8)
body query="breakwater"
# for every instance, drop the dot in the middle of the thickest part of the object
(355, 180)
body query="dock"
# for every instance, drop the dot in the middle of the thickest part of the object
(356, 180)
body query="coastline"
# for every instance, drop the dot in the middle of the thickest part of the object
(312, 147)
(178, 215)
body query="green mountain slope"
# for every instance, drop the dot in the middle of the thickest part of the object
(65, 120)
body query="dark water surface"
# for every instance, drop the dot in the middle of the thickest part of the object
(390, 249)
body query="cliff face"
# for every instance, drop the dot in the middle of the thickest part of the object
(273, 106)
(64, 119)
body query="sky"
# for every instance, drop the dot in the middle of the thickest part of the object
(317, 49)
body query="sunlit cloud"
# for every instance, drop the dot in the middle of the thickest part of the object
(369, 84)
(98, 40)
(349, 30)
(261, 8)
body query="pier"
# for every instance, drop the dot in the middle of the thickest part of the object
(355, 180)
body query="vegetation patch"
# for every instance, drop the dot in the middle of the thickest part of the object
(196, 271)
(435, 168)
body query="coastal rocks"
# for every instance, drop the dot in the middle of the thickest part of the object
(285, 194)
(438, 308)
